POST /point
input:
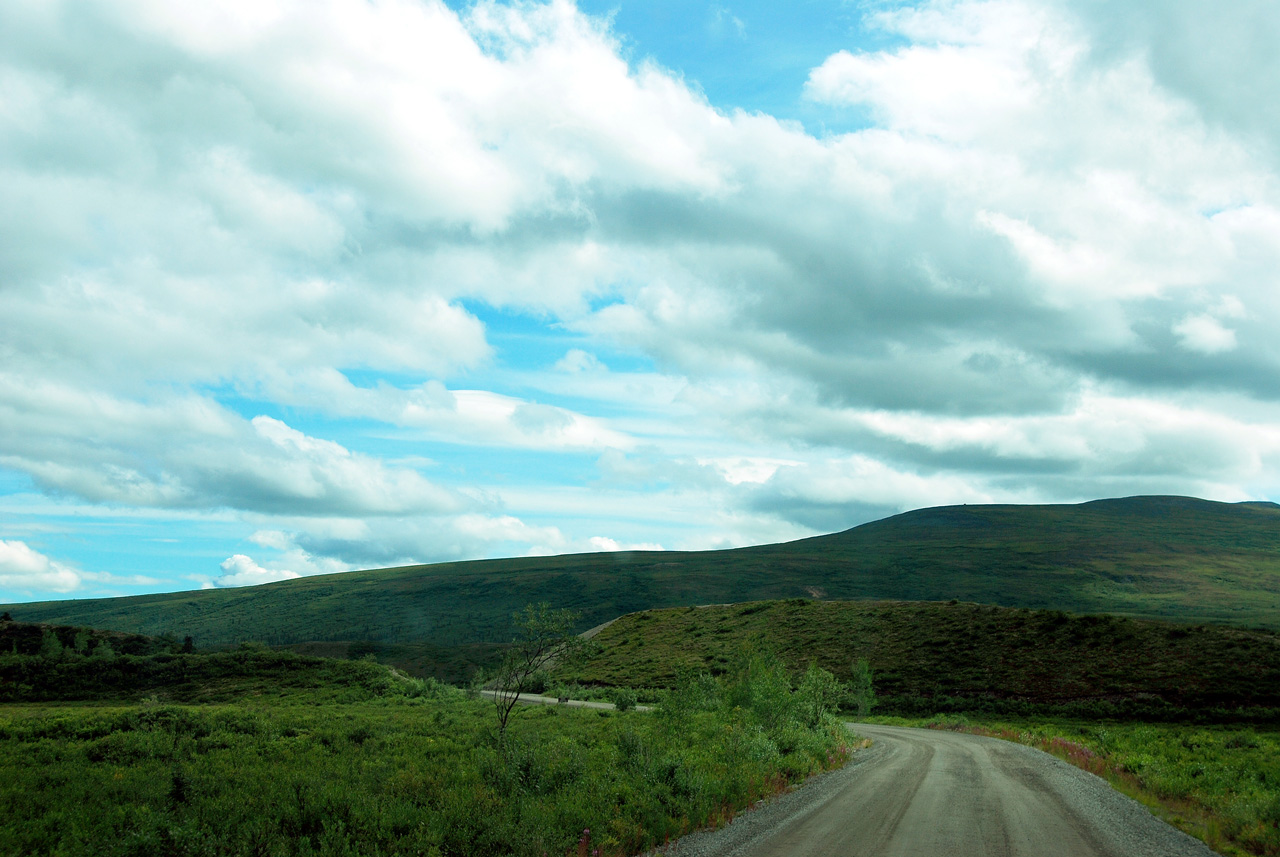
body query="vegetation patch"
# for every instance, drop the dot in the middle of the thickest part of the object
(1172, 558)
(346, 758)
(929, 657)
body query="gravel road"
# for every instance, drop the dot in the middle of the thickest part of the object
(536, 699)
(925, 793)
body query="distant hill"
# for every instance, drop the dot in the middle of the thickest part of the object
(940, 656)
(1172, 558)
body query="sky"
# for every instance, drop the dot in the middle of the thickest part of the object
(292, 287)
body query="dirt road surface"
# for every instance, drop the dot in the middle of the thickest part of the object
(536, 699)
(925, 793)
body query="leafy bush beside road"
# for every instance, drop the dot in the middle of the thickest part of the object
(308, 757)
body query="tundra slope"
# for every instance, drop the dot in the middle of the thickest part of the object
(1173, 558)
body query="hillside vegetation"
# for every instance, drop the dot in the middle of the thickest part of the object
(1153, 557)
(931, 657)
(289, 755)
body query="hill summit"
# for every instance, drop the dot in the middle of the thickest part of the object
(1174, 558)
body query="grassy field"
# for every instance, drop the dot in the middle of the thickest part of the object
(1148, 557)
(930, 656)
(291, 755)
(1221, 784)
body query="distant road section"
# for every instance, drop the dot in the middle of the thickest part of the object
(925, 793)
(536, 699)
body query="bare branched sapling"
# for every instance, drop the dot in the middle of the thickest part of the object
(544, 637)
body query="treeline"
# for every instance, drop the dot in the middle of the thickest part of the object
(191, 677)
(53, 641)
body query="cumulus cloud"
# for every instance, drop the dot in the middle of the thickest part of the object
(210, 457)
(607, 545)
(28, 570)
(250, 250)
(240, 570)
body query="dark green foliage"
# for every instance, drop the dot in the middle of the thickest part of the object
(862, 693)
(450, 664)
(51, 647)
(26, 638)
(1154, 557)
(623, 698)
(929, 657)
(185, 677)
(384, 772)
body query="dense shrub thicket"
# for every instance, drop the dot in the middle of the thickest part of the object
(68, 675)
(385, 766)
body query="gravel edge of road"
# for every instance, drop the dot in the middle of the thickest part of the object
(1151, 835)
(1142, 831)
(767, 814)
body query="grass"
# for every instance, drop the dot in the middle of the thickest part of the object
(1220, 784)
(346, 758)
(1147, 557)
(930, 657)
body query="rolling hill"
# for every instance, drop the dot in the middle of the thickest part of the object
(1173, 558)
(939, 656)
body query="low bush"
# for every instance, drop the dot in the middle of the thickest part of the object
(375, 765)
(623, 698)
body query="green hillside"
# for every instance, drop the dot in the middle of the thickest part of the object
(1156, 557)
(931, 656)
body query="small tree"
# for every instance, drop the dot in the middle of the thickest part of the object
(544, 636)
(50, 645)
(819, 694)
(862, 694)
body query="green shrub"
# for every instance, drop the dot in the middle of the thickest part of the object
(623, 698)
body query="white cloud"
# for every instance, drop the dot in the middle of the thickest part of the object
(748, 469)
(210, 457)
(1205, 334)
(27, 570)
(607, 545)
(577, 360)
(1009, 285)
(240, 570)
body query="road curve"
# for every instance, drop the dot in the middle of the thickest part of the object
(926, 793)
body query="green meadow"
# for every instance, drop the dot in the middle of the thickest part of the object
(289, 755)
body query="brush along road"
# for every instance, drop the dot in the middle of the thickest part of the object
(923, 793)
